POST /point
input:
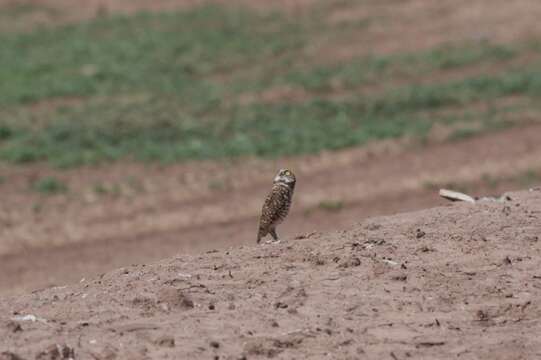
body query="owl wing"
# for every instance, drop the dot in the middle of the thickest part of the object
(274, 204)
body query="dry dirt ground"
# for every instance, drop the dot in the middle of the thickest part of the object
(459, 281)
(145, 213)
(51, 240)
(465, 285)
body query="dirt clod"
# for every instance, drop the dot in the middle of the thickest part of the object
(165, 341)
(305, 236)
(13, 326)
(107, 353)
(8, 355)
(430, 344)
(399, 276)
(352, 261)
(280, 305)
(175, 298)
(482, 315)
(57, 352)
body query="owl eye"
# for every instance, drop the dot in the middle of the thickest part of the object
(287, 173)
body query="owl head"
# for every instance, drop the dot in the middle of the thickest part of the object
(285, 176)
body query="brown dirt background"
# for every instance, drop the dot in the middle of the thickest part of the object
(81, 234)
(459, 281)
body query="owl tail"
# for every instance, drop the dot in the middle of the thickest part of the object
(260, 234)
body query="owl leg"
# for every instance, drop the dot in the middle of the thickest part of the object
(261, 233)
(274, 235)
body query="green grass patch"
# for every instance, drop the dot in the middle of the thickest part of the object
(166, 54)
(50, 186)
(374, 69)
(529, 177)
(331, 205)
(170, 87)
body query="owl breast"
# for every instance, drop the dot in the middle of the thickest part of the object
(281, 202)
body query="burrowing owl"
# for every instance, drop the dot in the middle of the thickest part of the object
(276, 204)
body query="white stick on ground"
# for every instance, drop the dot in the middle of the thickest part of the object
(456, 196)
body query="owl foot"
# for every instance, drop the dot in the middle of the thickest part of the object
(273, 242)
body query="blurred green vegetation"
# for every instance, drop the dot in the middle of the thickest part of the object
(50, 186)
(215, 82)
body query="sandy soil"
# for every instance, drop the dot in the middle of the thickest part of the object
(458, 281)
(52, 240)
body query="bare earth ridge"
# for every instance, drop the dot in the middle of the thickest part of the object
(458, 281)
(81, 234)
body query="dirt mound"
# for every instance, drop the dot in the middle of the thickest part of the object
(53, 240)
(460, 280)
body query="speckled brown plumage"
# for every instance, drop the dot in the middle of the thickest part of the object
(277, 204)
